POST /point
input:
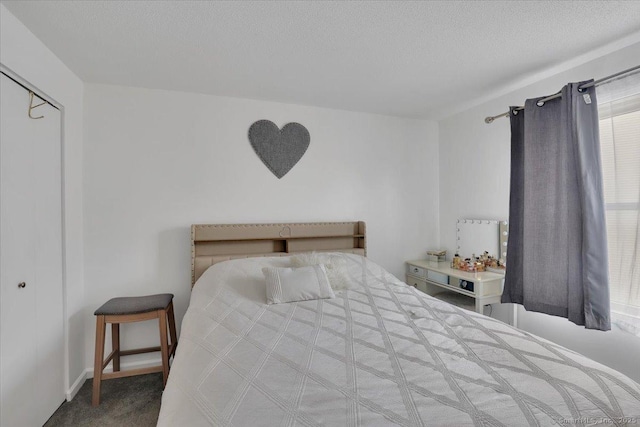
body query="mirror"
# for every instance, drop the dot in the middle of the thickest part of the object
(474, 236)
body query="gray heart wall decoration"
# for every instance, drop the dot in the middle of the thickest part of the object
(279, 150)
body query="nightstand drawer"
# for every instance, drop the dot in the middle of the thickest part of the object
(420, 285)
(416, 271)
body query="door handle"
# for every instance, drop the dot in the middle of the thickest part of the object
(22, 285)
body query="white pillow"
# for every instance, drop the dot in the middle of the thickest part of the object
(336, 267)
(297, 284)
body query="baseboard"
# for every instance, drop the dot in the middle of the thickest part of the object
(88, 374)
(75, 387)
(129, 365)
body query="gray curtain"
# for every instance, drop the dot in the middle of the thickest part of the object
(557, 249)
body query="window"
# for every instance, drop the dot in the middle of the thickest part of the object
(619, 110)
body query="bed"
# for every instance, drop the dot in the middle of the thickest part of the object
(381, 353)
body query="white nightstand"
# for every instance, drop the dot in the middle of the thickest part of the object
(432, 278)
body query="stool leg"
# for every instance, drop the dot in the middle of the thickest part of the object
(115, 345)
(99, 357)
(164, 346)
(172, 330)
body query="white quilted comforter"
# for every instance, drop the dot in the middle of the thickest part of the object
(380, 354)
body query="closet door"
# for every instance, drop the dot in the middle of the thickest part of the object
(31, 311)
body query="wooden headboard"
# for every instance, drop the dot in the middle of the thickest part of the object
(213, 243)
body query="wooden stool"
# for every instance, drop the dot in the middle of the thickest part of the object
(126, 310)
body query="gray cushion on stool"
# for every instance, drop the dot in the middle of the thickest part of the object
(134, 305)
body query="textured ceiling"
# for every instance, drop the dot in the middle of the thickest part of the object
(414, 59)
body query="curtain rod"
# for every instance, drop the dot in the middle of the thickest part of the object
(490, 119)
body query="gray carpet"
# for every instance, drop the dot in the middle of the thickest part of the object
(133, 401)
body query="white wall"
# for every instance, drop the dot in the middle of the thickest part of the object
(156, 162)
(474, 183)
(22, 53)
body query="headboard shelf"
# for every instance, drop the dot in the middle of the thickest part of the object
(213, 243)
(287, 238)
